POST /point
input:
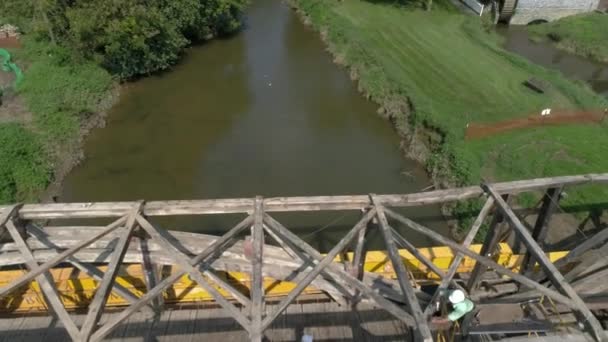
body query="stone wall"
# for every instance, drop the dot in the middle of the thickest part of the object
(528, 11)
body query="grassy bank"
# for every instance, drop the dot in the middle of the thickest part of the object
(62, 93)
(585, 35)
(434, 72)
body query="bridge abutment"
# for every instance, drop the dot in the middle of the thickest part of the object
(529, 11)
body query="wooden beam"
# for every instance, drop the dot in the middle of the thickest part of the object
(422, 328)
(105, 287)
(316, 271)
(480, 259)
(338, 273)
(488, 248)
(7, 213)
(165, 283)
(150, 271)
(357, 266)
(541, 227)
(334, 290)
(358, 262)
(185, 264)
(46, 282)
(281, 204)
(257, 281)
(593, 325)
(592, 242)
(33, 273)
(466, 243)
(403, 242)
(92, 271)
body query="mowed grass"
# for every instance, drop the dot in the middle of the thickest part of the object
(453, 72)
(585, 34)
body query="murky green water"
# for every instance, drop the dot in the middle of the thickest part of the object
(264, 112)
(546, 54)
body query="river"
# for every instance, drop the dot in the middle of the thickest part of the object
(264, 112)
(546, 54)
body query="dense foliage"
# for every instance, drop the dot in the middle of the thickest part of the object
(59, 91)
(127, 37)
(24, 168)
(67, 44)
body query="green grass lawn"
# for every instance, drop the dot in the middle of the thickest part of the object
(585, 34)
(453, 73)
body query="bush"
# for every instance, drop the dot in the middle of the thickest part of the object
(127, 37)
(129, 41)
(60, 91)
(24, 167)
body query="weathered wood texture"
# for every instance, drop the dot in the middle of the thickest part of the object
(278, 204)
(132, 238)
(594, 327)
(322, 320)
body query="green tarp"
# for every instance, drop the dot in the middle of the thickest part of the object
(8, 66)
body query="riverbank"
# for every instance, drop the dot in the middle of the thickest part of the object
(60, 100)
(434, 72)
(585, 35)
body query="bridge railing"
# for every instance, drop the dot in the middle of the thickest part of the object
(294, 259)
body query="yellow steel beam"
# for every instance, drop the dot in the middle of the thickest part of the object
(77, 289)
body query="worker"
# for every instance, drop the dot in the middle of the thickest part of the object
(461, 306)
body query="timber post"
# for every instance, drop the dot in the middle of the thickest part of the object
(549, 204)
(493, 236)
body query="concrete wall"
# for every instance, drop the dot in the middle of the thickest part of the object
(528, 11)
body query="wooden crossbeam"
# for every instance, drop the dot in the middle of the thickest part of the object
(357, 266)
(422, 328)
(468, 240)
(594, 257)
(257, 280)
(404, 243)
(541, 227)
(282, 204)
(339, 274)
(149, 270)
(184, 263)
(488, 248)
(61, 257)
(316, 271)
(481, 259)
(358, 262)
(334, 290)
(592, 242)
(8, 213)
(201, 258)
(593, 325)
(105, 287)
(91, 270)
(46, 282)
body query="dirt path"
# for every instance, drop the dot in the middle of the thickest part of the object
(13, 108)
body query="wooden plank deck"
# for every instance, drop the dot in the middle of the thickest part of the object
(325, 321)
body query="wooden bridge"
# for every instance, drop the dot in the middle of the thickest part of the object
(263, 252)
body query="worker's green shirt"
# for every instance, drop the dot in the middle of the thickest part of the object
(461, 309)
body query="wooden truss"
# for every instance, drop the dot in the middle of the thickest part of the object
(132, 237)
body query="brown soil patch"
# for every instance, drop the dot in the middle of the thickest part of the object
(476, 130)
(10, 43)
(13, 109)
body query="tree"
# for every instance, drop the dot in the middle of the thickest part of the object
(127, 37)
